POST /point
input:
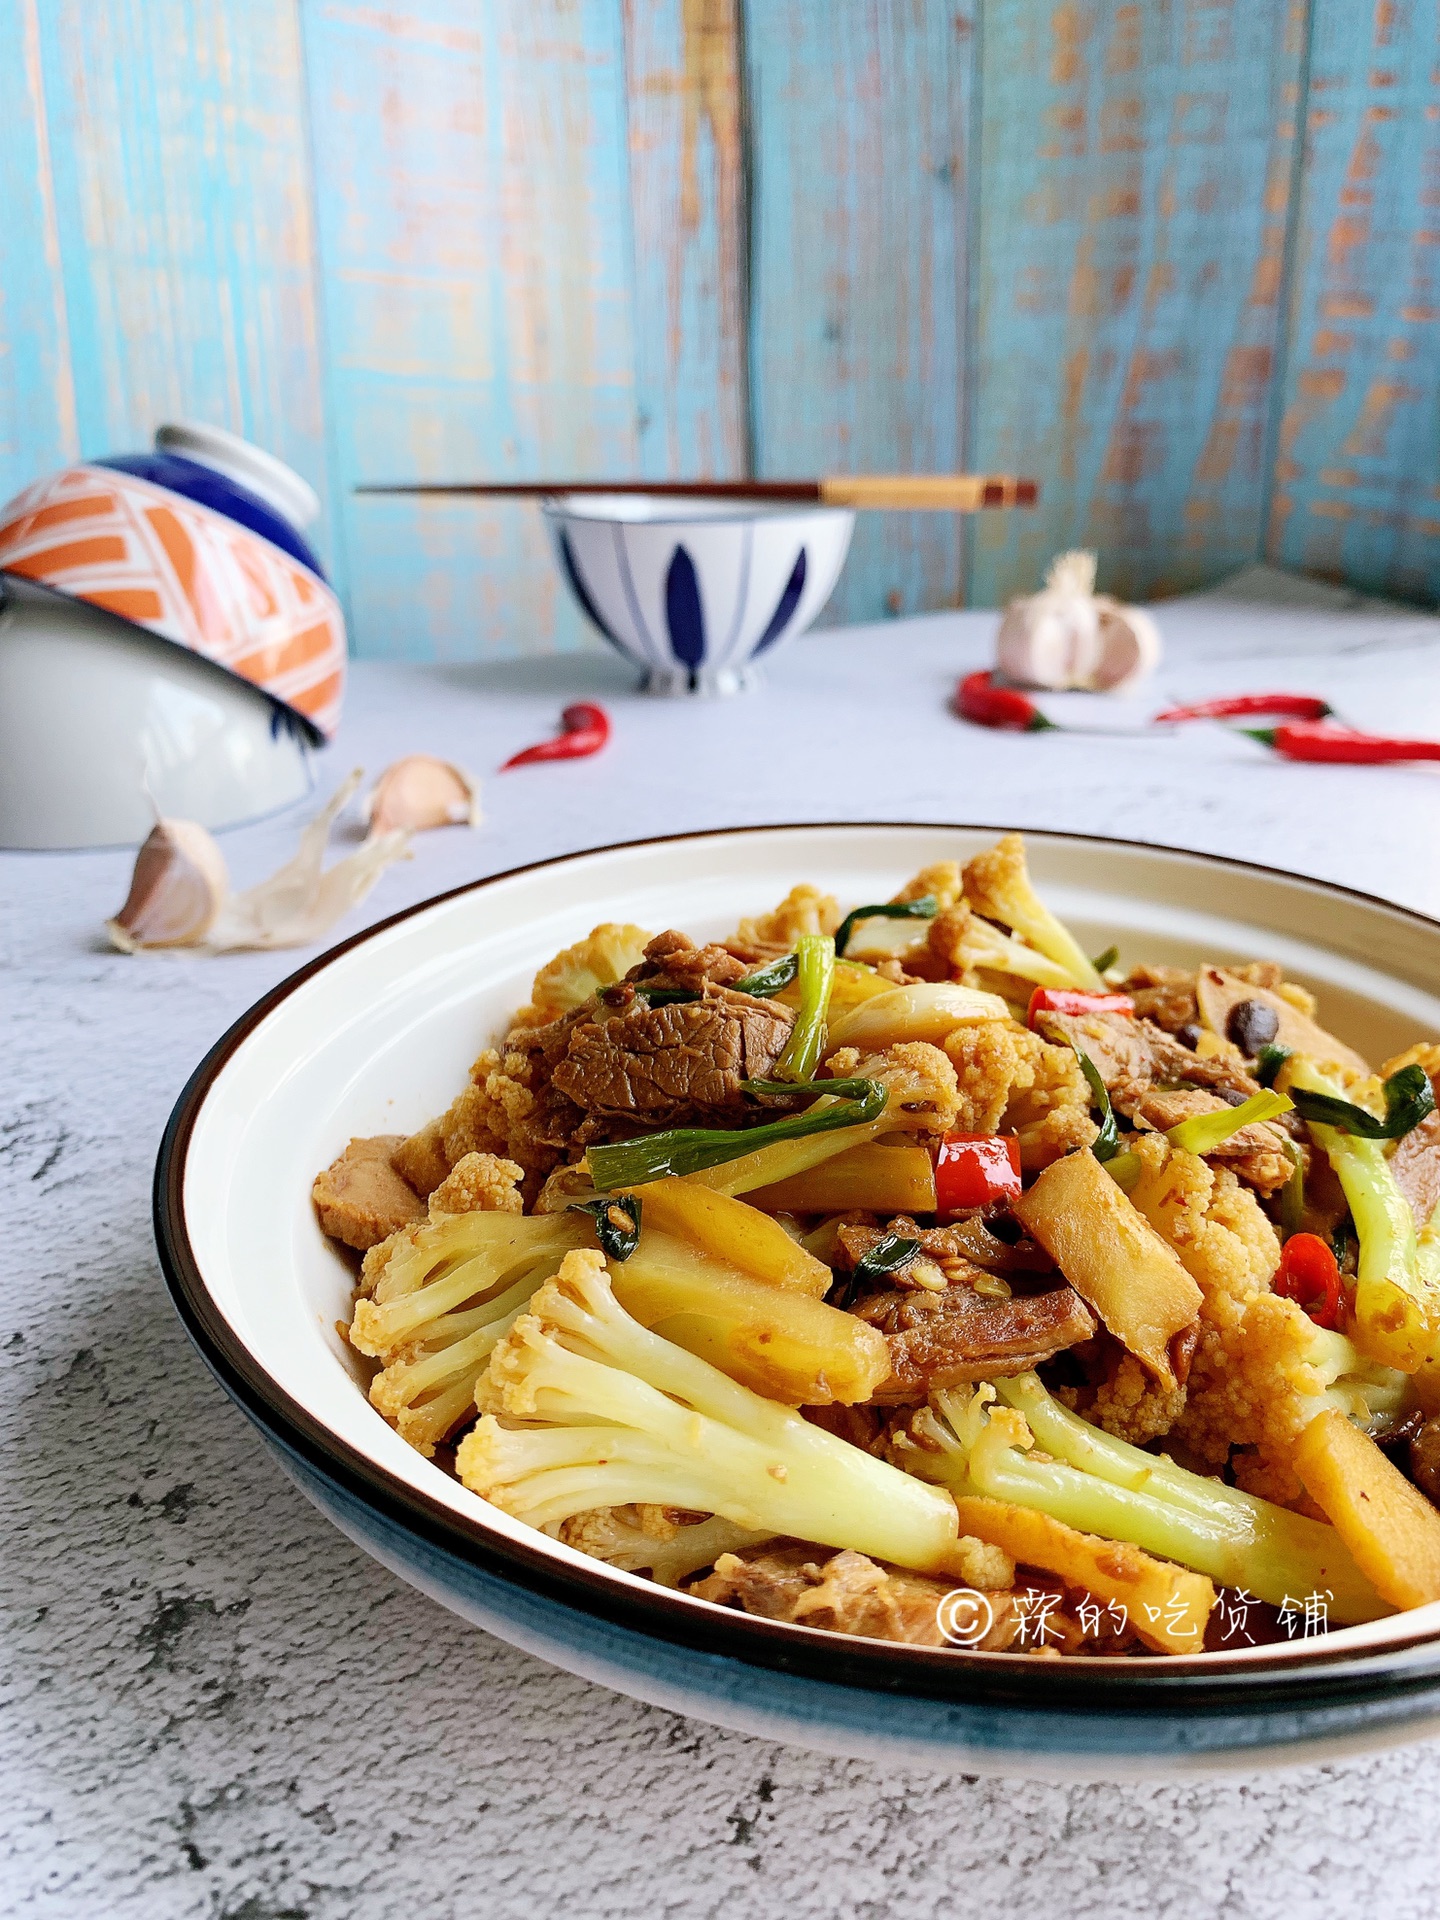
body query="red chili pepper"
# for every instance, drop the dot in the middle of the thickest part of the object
(1073, 1000)
(1288, 706)
(1311, 740)
(979, 700)
(976, 1169)
(1310, 1275)
(584, 729)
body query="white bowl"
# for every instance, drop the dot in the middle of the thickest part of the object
(377, 1036)
(101, 724)
(695, 592)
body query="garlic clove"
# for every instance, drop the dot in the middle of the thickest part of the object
(1129, 646)
(177, 890)
(420, 792)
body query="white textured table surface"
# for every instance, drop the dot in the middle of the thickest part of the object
(213, 1705)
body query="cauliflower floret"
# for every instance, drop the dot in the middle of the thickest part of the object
(997, 885)
(1262, 1369)
(665, 1542)
(480, 1183)
(1012, 1081)
(992, 1059)
(1425, 1054)
(478, 1120)
(1131, 1404)
(803, 910)
(966, 948)
(942, 882)
(924, 1095)
(605, 955)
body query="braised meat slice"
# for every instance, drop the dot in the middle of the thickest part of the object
(683, 1060)
(673, 960)
(1256, 1153)
(1165, 995)
(841, 1592)
(361, 1199)
(1415, 1164)
(1134, 1055)
(951, 1338)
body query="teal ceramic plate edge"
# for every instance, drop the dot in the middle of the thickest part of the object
(951, 1737)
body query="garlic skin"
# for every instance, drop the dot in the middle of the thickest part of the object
(420, 792)
(180, 891)
(1068, 636)
(177, 890)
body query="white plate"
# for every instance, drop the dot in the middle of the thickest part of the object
(377, 1036)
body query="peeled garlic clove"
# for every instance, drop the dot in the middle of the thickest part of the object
(419, 792)
(177, 889)
(1129, 646)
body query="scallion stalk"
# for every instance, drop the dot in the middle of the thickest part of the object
(925, 908)
(682, 1150)
(815, 956)
(1204, 1132)
(1409, 1099)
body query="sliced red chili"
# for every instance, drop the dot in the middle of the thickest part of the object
(1310, 1275)
(584, 729)
(1313, 740)
(975, 1170)
(979, 700)
(1285, 706)
(1073, 1000)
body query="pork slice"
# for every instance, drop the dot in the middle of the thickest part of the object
(1256, 1154)
(360, 1199)
(950, 1338)
(1173, 1064)
(682, 1060)
(673, 960)
(1116, 1044)
(1415, 1164)
(841, 1592)
(1165, 995)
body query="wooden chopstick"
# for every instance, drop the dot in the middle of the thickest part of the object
(891, 492)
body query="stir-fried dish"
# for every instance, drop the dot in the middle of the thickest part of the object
(901, 1270)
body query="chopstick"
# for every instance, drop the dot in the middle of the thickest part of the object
(891, 492)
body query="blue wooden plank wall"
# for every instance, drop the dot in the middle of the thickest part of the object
(1178, 258)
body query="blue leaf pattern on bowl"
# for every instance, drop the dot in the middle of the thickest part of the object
(684, 615)
(785, 605)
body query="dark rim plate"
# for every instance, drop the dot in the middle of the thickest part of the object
(1213, 1684)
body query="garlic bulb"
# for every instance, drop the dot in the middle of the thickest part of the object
(1067, 635)
(177, 889)
(419, 792)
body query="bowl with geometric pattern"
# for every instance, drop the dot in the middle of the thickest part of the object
(167, 637)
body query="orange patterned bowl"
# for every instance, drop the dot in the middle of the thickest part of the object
(200, 551)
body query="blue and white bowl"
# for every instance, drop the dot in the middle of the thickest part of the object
(696, 592)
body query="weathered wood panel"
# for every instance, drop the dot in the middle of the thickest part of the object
(37, 393)
(1136, 168)
(180, 190)
(1357, 473)
(474, 227)
(860, 115)
(683, 85)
